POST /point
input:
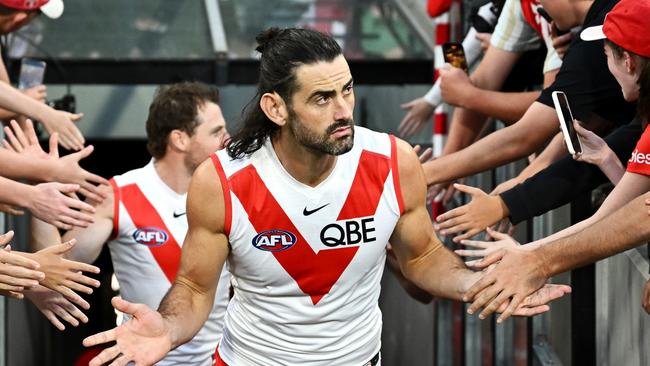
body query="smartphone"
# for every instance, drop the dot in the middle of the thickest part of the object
(32, 72)
(544, 14)
(566, 122)
(454, 54)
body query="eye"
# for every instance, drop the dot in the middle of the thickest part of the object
(322, 100)
(348, 89)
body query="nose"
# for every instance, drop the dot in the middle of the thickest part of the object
(344, 109)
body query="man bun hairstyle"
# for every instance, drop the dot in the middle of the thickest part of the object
(283, 51)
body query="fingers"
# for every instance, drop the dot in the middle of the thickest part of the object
(71, 295)
(76, 117)
(531, 311)
(53, 319)
(22, 139)
(13, 141)
(94, 178)
(30, 132)
(6, 237)
(63, 314)
(30, 276)
(497, 235)
(120, 361)
(468, 189)
(127, 307)
(19, 260)
(470, 252)
(468, 234)
(54, 145)
(426, 155)
(104, 356)
(485, 290)
(514, 303)
(8, 287)
(443, 220)
(491, 259)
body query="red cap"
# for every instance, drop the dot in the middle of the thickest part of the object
(626, 25)
(51, 8)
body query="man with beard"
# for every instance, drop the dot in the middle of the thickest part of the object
(302, 204)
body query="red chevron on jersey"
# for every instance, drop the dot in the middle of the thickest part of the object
(367, 186)
(144, 215)
(315, 273)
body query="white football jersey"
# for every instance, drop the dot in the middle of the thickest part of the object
(307, 261)
(149, 227)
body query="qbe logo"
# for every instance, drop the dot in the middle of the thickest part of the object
(274, 240)
(150, 236)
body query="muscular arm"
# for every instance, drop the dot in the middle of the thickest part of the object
(187, 304)
(503, 146)
(422, 257)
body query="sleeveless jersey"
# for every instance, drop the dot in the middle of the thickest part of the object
(307, 261)
(148, 231)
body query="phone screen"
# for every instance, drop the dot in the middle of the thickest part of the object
(567, 120)
(454, 54)
(31, 73)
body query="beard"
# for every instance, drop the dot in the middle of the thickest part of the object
(322, 143)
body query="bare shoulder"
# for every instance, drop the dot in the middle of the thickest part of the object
(411, 176)
(205, 199)
(407, 160)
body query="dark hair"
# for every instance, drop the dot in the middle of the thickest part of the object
(283, 51)
(175, 107)
(643, 104)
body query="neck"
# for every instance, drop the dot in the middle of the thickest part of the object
(581, 10)
(303, 164)
(173, 172)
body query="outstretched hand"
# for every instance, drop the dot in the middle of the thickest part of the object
(63, 123)
(144, 339)
(67, 170)
(51, 202)
(482, 211)
(519, 273)
(485, 248)
(65, 276)
(26, 142)
(54, 306)
(16, 272)
(419, 112)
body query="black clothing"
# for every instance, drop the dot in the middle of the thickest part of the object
(565, 179)
(586, 80)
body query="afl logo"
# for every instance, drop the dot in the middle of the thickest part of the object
(274, 240)
(150, 236)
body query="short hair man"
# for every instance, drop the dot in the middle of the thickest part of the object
(302, 204)
(143, 219)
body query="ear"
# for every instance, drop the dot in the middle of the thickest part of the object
(630, 63)
(275, 108)
(178, 141)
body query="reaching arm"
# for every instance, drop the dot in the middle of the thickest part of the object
(501, 147)
(422, 257)
(187, 304)
(489, 75)
(524, 269)
(568, 177)
(90, 240)
(629, 187)
(149, 335)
